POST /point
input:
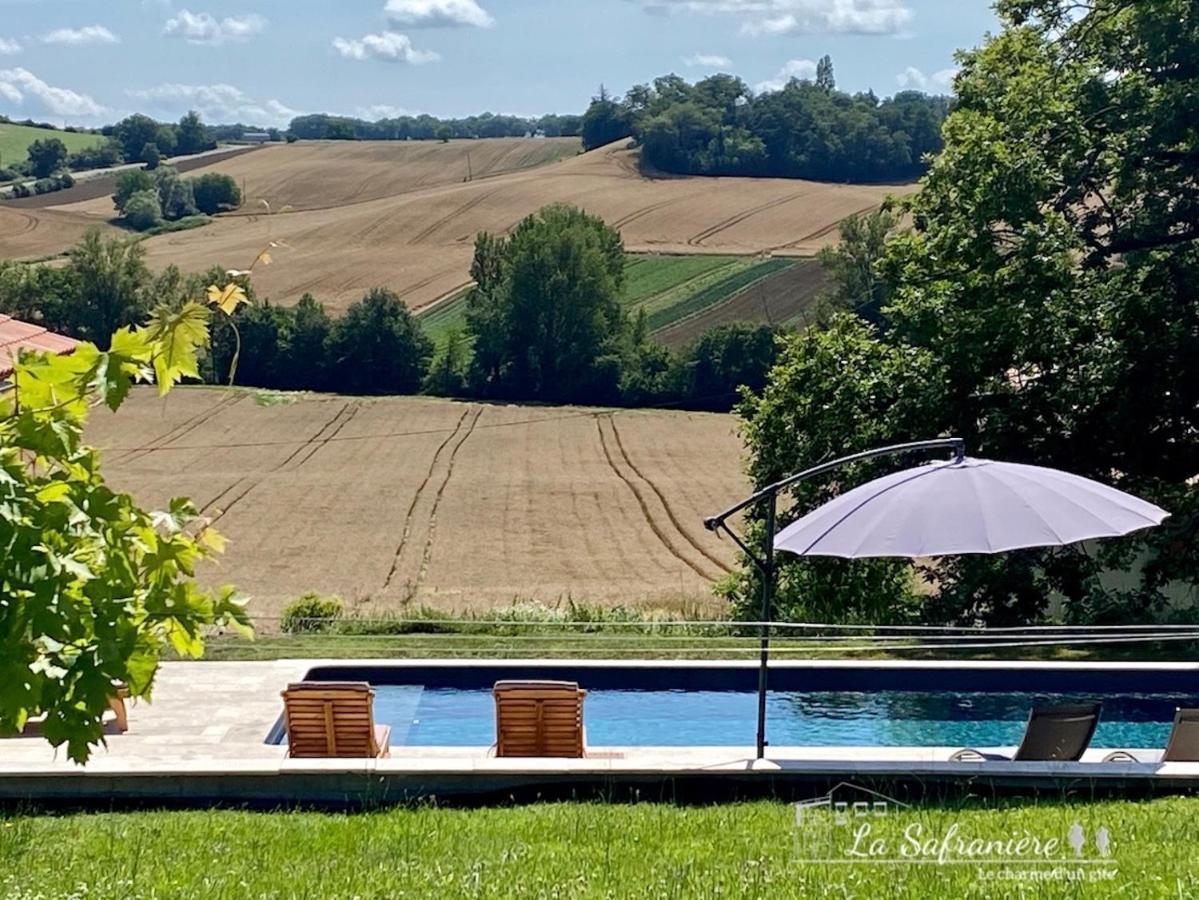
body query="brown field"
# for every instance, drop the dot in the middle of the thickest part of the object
(399, 214)
(395, 502)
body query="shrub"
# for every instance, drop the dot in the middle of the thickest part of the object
(132, 182)
(151, 156)
(143, 211)
(103, 157)
(310, 613)
(216, 193)
(176, 197)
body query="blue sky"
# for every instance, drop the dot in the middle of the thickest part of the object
(262, 61)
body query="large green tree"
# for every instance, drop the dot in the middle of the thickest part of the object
(377, 347)
(547, 319)
(1045, 305)
(47, 157)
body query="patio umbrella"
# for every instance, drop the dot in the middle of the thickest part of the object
(944, 508)
(966, 506)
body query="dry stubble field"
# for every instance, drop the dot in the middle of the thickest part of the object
(391, 502)
(401, 214)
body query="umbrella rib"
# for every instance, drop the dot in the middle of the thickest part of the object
(870, 498)
(1044, 485)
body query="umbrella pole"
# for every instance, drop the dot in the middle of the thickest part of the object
(765, 563)
(764, 622)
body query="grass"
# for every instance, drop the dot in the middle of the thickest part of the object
(15, 141)
(185, 224)
(691, 303)
(647, 276)
(580, 849)
(444, 319)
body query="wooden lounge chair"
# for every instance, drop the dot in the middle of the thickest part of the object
(333, 719)
(116, 702)
(118, 723)
(538, 718)
(1183, 745)
(1053, 733)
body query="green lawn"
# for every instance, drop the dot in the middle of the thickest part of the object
(15, 141)
(733, 850)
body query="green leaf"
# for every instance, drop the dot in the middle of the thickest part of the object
(176, 338)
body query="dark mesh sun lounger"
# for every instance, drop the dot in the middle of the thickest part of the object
(1053, 733)
(1183, 745)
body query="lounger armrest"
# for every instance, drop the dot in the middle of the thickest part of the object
(1120, 756)
(969, 754)
(383, 739)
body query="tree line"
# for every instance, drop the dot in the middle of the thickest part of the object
(545, 322)
(321, 126)
(806, 129)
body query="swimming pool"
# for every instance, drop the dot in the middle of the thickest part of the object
(807, 706)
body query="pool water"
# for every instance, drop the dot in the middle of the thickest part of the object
(441, 716)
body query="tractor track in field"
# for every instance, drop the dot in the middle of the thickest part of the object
(427, 553)
(446, 219)
(314, 443)
(184, 428)
(416, 495)
(645, 211)
(697, 239)
(826, 230)
(661, 535)
(670, 514)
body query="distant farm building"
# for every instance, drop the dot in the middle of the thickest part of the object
(255, 137)
(16, 336)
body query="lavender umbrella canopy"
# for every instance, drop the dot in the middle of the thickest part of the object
(966, 506)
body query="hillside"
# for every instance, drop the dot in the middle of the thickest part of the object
(366, 227)
(15, 141)
(407, 500)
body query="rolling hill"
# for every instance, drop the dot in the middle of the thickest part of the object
(400, 214)
(15, 140)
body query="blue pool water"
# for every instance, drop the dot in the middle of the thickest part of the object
(450, 716)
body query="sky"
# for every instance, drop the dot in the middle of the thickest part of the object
(90, 62)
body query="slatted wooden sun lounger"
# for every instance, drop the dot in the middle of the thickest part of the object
(333, 719)
(538, 718)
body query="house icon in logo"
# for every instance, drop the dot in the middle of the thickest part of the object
(825, 824)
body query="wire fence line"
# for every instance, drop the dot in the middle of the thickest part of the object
(704, 637)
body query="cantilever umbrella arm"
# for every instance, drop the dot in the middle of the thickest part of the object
(764, 561)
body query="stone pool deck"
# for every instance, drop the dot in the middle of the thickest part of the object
(203, 740)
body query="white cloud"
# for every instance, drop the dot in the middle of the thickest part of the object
(913, 79)
(18, 84)
(803, 69)
(9, 47)
(377, 111)
(777, 17)
(74, 37)
(707, 61)
(437, 14)
(388, 47)
(216, 103)
(205, 28)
